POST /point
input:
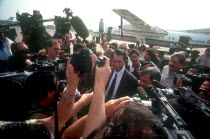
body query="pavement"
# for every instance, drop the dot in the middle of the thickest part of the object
(51, 31)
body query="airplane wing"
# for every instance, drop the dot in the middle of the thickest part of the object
(139, 24)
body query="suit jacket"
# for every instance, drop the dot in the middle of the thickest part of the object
(128, 85)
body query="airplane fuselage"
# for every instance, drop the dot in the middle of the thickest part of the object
(195, 39)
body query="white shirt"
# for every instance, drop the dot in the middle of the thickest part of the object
(119, 77)
(204, 60)
(167, 80)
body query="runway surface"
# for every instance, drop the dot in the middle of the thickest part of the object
(52, 30)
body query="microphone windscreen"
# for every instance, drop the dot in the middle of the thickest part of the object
(141, 92)
(79, 27)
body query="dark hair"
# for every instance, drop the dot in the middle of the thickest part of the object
(132, 122)
(154, 73)
(51, 42)
(131, 45)
(145, 63)
(109, 52)
(115, 45)
(14, 47)
(39, 84)
(134, 51)
(181, 56)
(90, 45)
(85, 41)
(76, 47)
(153, 56)
(24, 130)
(120, 52)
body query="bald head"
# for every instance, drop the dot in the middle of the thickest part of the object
(124, 47)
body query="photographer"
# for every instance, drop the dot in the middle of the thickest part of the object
(33, 30)
(39, 128)
(193, 79)
(188, 64)
(20, 60)
(205, 89)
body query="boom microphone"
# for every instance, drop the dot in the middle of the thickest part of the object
(79, 27)
(158, 84)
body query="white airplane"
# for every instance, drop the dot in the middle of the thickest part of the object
(8, 21)
(140, 32)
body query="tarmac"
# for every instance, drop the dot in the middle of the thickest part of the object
(51, 31)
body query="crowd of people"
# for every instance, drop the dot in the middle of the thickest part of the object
(40, 105)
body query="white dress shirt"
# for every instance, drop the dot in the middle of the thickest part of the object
(119, 77)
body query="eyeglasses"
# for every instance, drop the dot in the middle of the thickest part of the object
(205, 92)
(123, 48)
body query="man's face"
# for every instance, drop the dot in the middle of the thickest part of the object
(174, 64)
(134, 59)
(93, 48)
(160, 55)
(193, 71)
(146, 56)
(54, 50)
(2, 37)
(112, 47)
(123, 47)
(118, 62)
(205, 90)
(145, 80)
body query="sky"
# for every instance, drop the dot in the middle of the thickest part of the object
(166, 14)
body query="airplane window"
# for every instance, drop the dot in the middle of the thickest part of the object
(173, 38)
(169, 38)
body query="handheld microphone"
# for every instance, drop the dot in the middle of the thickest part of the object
(142, 93)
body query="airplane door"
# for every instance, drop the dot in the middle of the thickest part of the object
(109, 33)
(184, 40)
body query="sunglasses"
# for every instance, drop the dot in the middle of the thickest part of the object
(205, 92)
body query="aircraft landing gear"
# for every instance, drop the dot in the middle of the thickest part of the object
(142, 48)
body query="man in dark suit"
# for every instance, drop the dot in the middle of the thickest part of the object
(121, 82)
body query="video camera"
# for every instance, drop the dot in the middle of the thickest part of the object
(83, 62)
(193, 80)
(62, 26)
(26, 20)
(173, 124)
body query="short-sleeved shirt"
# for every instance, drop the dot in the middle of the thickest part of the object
(204, 61)
(167, 80)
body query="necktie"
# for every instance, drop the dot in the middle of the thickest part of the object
(111, 89)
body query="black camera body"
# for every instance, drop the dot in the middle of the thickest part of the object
(185, 81)
(82, 61)
(62, 26)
